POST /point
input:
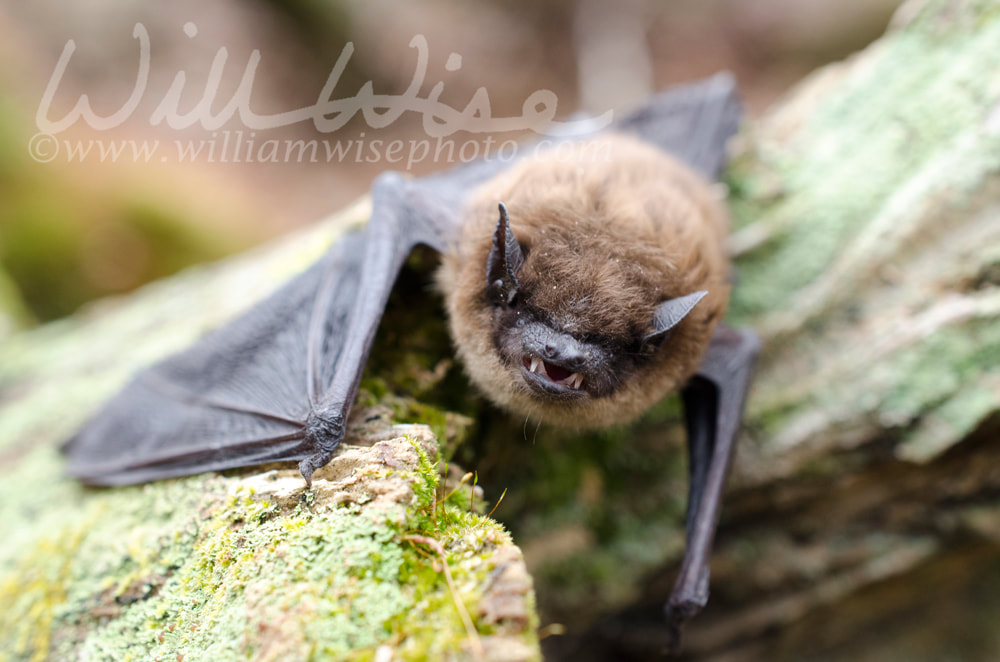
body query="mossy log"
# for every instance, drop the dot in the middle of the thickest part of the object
(862, 519)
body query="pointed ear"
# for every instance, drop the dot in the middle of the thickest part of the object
(669, 314)
(504, 261)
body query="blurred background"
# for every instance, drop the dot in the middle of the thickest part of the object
(104, 209)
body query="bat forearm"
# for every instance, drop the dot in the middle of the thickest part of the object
(388, 241)
(385, 251)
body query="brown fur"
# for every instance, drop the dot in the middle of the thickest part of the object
(610, 231)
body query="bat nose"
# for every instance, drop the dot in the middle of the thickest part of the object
(564, 353)
(575, 361)
(555, 347)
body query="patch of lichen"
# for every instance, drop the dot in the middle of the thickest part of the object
(817, 179)
(73, 558)
(30, 594)
(944, 388)
(204, 569)
(940, 372)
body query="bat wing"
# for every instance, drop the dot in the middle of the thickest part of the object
(277, 383)
(692, 122)
(713, 408)
(238, 397)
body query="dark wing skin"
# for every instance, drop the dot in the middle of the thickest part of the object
(692, 122)
(238, 397)
(277, 383)
(403, 215)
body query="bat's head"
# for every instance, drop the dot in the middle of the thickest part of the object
(558, 356)
(580, 308)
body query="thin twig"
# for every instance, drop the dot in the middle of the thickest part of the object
(465, 479)
(497, 505)
(472, 493)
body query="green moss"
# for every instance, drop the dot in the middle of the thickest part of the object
(206, 569)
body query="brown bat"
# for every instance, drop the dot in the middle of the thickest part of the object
(608, 254)
(596, 292)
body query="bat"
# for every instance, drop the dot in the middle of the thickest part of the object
(582, 285)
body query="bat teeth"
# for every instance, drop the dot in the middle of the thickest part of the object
(536, 365)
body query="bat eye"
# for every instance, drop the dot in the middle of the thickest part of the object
(501, 294)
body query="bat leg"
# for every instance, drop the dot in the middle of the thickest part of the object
(713, 407)
(327, 442)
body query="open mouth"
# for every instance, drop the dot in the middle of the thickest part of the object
(551, 377)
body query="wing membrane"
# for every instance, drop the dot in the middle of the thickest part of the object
(210, 406)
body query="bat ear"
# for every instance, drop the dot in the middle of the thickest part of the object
(668, 315)
(504, 262)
